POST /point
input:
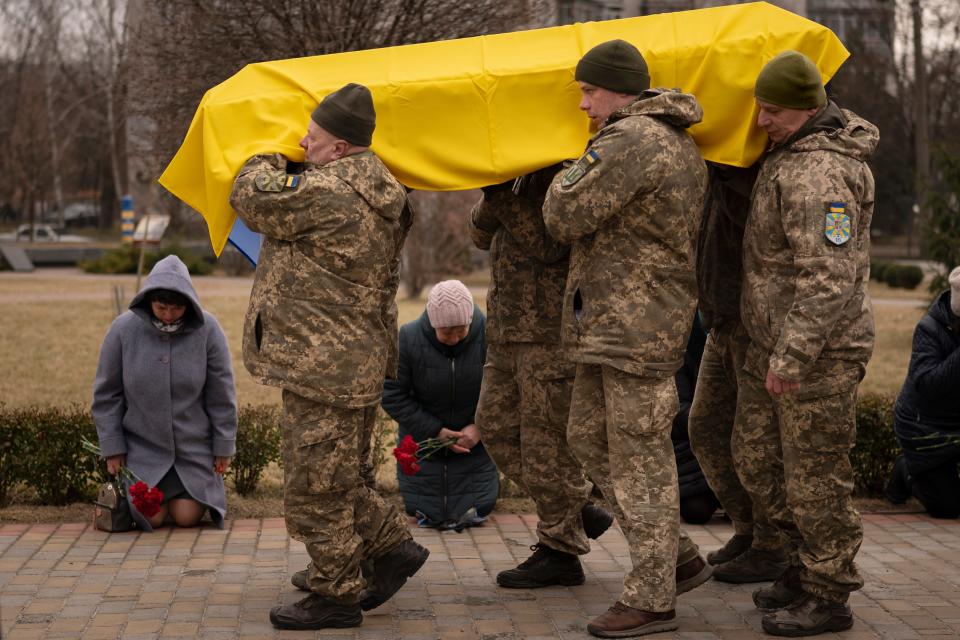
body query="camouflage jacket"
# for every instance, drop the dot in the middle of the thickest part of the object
(806, 250)
(528, 269)
(322, 314)
(631, 206)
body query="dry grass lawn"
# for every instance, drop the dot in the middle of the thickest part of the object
(52, 323)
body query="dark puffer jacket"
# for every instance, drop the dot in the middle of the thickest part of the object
(689, 474)
(928, 405)
(439, 386)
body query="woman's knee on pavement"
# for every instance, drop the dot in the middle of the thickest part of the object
(186, 513)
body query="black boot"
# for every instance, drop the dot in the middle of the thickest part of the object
(390, 572)
(546, 567)
(316, 612)
(810, 616)
(733, 548)
(596, 520)
(782, 593)
(753, 565)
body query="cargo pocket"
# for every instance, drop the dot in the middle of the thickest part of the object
(822, 415)
(327, 454)
(554, 376)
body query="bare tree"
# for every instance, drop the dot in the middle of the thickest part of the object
(439, 243)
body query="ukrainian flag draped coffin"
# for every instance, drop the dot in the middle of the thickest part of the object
(460, 114)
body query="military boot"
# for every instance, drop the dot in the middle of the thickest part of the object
(753, 565)
(782, 593)
(808, 617)
(621, 621)
(546, 567)
(733, 548)
(390, 572)
(596, 520)
(316, 612)
(691, 574)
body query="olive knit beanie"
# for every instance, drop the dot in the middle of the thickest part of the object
(348, 114)
(615, 65)
(449, 304)
(791, 80)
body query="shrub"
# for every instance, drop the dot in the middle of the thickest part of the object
(259, 438)
(126, 258)
(907, 276)
(877, 270)
(41, 447)
(877, 445)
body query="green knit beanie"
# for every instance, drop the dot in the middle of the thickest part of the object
(791, 80)
(348, 114)
(615, 65)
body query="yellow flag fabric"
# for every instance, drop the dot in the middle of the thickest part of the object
(460, 114)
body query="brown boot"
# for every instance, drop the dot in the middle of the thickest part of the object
(692, 573)
(733, 548)
(316, 612)
(753, 565)
(621, 621)
(810, 616)
(782, 593)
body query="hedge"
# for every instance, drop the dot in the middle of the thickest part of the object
(40, 447)
(126, 259)
(898, 276)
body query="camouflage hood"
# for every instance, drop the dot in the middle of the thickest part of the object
(672, 106)
(841, 131)
(365, 175)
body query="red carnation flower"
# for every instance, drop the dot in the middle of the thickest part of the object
(146, 500)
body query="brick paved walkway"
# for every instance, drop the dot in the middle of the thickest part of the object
(69, 581)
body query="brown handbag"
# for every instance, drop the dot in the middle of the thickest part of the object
(111, 509)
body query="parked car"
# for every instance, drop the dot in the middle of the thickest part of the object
(41, 233)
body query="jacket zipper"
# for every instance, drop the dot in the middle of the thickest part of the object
(453, 398)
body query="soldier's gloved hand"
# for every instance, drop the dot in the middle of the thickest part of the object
(533, 186)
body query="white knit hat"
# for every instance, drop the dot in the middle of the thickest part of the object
(955, 291)
(449, 305)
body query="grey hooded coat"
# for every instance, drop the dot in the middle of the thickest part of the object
(168, 399)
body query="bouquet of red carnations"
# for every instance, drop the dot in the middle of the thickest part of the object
(146, 500)
(410, 452)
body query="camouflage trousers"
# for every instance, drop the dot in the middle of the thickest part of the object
(793, 455)
(620, 429)
(328, 500)
(522, 414)
(711, 423)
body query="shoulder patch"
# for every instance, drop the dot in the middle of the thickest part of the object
(579, 168)
(270, 181)
(836, 225)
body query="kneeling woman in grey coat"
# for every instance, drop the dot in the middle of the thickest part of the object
(164, 400)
